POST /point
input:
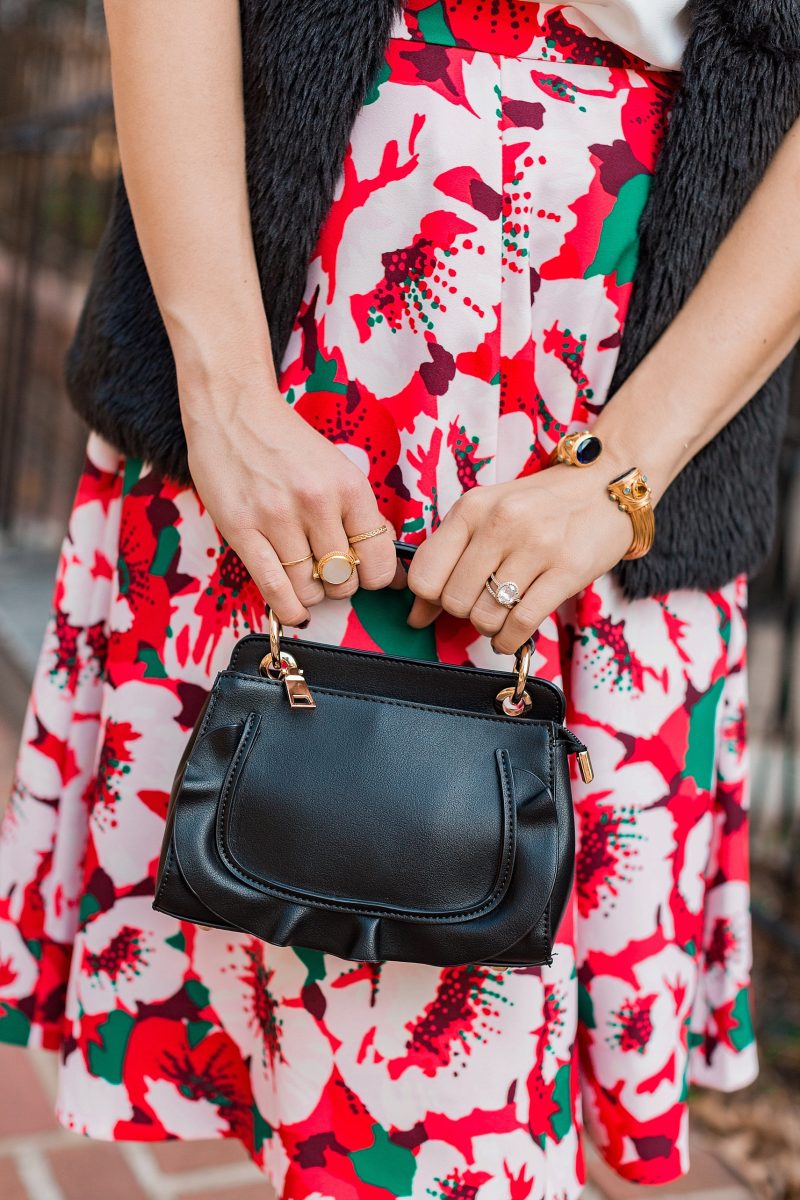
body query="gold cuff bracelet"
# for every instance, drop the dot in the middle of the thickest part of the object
(632, 495)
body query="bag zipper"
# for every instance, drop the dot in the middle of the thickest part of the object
(584, 759)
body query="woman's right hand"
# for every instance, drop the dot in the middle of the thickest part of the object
(277, 490)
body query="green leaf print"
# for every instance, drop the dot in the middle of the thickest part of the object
(197, 1030)
(375, 90)
(314, 963)
(742, 1034)
(133, 469)
(433, 25)
(262, 1130)
(724, 625)
(88, 907)
(383, 615)
(701, 753)
(618, 251)
(561, 1121)
(168, 542)
(15, 1028)
(197, 992)
(585, 1007)
(385, 1165)
(694, 1040)
(107, 1056)
(323, 377)
(124, 576)
(154, 667)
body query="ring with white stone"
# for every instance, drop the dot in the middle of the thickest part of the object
(506, 593)
(337, 566)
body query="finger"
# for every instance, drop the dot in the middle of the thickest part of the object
(400, 581)
(310, 591)
(488, 615)
(328, 534)
(541, 599)
(270, 578)
(468, 578)
(423, 613)
(435, 559)
(378, 557)
(290, 547)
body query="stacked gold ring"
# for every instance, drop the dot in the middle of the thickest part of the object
(295, 562)
(335, 557)
(363, 537)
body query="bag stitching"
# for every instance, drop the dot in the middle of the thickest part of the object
(167, 872)
(246, 877)
(551, 780)
(170, 857)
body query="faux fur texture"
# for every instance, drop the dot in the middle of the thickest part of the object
(305, 78)
(740, 94)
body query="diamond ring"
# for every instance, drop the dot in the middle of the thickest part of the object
(506, 593)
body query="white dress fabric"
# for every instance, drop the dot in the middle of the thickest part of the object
(654, 30)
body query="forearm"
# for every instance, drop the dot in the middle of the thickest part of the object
(739, 323)
(176, 71)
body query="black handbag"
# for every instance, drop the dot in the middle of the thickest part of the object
(375, 807)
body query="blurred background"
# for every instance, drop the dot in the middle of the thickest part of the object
(58, 159)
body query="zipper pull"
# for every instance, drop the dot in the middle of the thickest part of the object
(585, 766)
(584, 758)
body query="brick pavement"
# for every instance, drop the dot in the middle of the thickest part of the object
(40, 1161)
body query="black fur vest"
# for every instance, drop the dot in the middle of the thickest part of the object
(304, 81)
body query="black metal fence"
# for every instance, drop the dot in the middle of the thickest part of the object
(58, 159)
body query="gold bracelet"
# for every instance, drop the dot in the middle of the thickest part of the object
(632, 494)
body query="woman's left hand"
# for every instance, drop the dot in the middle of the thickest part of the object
(552, 533)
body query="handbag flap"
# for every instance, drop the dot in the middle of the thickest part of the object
(334, 806)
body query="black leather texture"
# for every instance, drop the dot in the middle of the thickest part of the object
(403, 818)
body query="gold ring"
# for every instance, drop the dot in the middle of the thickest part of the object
(342, 562)
(293, 562)
(363, 537)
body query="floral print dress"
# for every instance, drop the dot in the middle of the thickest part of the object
(463, 310)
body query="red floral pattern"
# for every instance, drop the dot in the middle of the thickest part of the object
(464, 308)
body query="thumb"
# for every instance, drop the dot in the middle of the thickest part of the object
(423, 613)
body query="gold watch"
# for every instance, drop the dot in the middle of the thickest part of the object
(632, 494)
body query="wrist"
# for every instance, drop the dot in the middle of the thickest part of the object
(629, 441)
(225, 373)
(215, 342)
